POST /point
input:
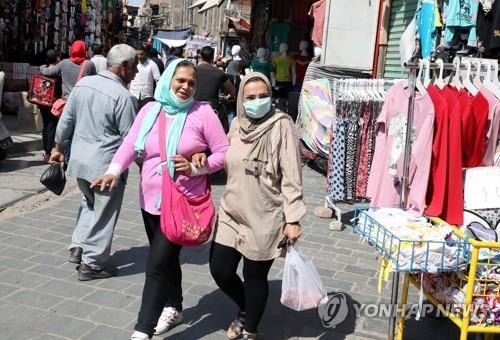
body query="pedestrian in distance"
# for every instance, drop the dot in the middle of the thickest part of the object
(144, 83)
(262, 203)
(193, 128)
(98, 114)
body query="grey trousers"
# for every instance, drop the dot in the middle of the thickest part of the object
(96, 222)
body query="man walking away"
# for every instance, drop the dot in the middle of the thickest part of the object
(143, 85)
(209, 79)
(153, 55)
(98, 114)
(99, 59)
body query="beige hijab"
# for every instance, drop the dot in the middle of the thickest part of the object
(264, 134)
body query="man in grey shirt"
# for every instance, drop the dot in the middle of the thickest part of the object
(98, 114)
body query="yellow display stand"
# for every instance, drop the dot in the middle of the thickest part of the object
(468, 280)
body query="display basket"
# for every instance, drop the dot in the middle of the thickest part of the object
(474, 302)
(410, 255)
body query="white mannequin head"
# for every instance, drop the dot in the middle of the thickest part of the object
(235, 51)
(261, 53)
(303, 46)
(283, 48)
(317, 51)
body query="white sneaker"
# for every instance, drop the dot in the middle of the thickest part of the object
(139, 336)
(169, 318)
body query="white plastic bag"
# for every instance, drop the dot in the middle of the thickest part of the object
(301, 288)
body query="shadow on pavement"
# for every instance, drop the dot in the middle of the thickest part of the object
(10, 165)
(215, 311)
(130, 261)
(133, 260)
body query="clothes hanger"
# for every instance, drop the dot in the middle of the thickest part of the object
(477, 78)
(440, 82)
(487, 79)
(455, 81)
(418, 83)
(494, 76)
(427, 73)
(467, 82)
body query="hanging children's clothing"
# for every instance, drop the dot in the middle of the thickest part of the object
(462, 15)
(387, 167)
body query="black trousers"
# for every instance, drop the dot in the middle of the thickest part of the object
(251, 295)
(49, 128)
(163, 286)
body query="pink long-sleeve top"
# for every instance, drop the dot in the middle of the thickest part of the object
(202, 131)
(388, 159)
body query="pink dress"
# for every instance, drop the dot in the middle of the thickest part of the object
(202, 131)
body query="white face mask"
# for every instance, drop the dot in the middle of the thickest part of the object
(257, 108)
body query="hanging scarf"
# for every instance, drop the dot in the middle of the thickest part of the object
(78, 52)
(175, 108)
(263, 134)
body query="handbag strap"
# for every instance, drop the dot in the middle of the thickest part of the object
(82, 70)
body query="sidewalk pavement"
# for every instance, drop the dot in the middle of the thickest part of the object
(40, 297)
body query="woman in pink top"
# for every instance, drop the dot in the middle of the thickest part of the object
(192, 128)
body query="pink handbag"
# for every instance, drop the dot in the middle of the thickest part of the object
(186, 221)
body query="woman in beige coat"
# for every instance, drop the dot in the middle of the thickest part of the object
(262, 203)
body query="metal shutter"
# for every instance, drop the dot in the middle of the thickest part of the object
(402, 12)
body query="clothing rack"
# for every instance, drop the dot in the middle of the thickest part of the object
(413, 67)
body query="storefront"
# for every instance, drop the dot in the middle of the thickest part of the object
(28, 29)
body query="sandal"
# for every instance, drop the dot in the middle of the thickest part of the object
(250, 336)
(235, 330)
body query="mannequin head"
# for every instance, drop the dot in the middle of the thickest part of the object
(283, 48)
(235, 51)
(261, 53)
(303, 46)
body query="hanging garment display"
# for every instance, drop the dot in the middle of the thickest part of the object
(387, 167)
(357, 105)
(278, 32)
(315, 122)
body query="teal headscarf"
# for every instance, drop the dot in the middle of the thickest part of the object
(174, 107)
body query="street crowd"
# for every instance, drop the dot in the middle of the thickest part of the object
(132, 107)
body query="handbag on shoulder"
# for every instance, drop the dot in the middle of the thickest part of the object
(186, 221)
(42, 90)
(58, 106)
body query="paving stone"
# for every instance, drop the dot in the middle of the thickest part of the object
(21, 279)
(113, 317)
(114, 284)
(15, 263)
(110, 299)
(20, 241)
(7, 290)
(48, 259)
(50, 271)
(108, 333)
(48, 337)
(75, 308)
(17, 253)
(200, 290)
(34, 299)
(66, 289)
(47, 247)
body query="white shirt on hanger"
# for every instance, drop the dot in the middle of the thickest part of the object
(144, 82)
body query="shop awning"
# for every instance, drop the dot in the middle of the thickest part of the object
(209, 4)
(171, 38)
(198, 3)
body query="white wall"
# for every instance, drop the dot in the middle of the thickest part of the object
(350, 33)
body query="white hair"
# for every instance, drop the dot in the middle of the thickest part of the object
(119, 54)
